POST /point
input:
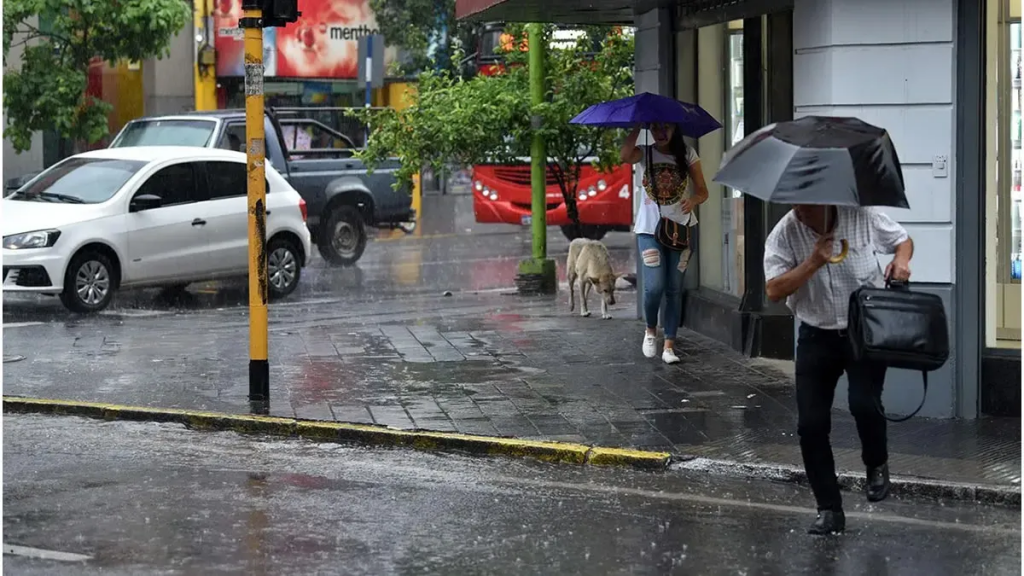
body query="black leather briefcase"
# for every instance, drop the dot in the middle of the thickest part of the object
(900, 328)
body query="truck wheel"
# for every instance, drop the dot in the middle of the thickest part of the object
(343, 237)
(589, 231)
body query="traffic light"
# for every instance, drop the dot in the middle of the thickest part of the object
(278, 13)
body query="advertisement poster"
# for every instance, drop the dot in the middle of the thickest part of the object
(322, 44)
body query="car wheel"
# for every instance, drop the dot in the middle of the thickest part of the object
(343, 237)
(284, 267)
(89, 283)
(589, 231)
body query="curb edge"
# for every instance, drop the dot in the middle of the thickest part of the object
(991, 494)
(547, 451)
(340, 432)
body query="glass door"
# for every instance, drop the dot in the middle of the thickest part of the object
(732, 200)
(1008, 177)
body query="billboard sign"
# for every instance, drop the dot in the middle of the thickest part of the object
(324, 43)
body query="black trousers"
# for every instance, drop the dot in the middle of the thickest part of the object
(821, 358)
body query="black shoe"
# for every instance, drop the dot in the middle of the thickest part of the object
(828, 522)
(878, 483)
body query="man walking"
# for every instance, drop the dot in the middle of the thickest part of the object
(798, 267)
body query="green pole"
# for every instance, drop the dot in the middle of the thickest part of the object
(538, 150)
(537, 274)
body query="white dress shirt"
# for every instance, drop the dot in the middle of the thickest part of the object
(824, 301)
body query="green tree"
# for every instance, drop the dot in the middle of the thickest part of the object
(453, 120)
(47, 90)
(415, 25)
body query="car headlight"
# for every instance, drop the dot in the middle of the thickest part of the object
(602, 185)
(38, 239)
(478, 185)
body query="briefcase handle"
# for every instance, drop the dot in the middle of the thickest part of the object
(893, 284)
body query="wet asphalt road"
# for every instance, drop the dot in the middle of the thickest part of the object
(159, 499)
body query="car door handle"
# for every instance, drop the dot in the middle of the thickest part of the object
(199, 222)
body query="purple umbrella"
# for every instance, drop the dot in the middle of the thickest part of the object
(649, 108)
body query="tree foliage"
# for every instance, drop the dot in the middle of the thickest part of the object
(60, 39)
(426, 30)
(486, 119)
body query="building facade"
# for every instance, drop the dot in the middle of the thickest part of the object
(154, 86)
(942, 76)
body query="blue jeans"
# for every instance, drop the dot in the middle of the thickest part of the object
(662, 281)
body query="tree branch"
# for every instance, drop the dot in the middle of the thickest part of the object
(37, 33)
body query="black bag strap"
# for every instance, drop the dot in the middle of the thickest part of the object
(651, 180)
(924, 396)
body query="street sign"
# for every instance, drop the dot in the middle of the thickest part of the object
(371, 61)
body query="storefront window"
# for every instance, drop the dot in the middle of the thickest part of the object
(732, 200)
(1014, 260)
(712, 83)
(1003, 84)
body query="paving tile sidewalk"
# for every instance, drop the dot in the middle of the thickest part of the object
(487, 364)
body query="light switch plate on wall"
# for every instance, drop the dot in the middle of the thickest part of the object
(940, 166)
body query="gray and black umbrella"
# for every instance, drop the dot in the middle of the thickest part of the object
(817, 160)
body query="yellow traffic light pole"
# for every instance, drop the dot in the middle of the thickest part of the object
(255, 150)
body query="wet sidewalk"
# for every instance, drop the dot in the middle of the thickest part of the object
(486, 363)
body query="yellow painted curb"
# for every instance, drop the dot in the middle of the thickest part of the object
(600, 456)
(562, 452)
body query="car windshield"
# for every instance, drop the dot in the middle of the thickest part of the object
(79, 181)
(165, 133)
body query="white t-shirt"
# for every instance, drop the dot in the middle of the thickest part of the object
(672, 189)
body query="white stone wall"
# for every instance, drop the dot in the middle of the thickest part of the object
(890, 63)
(653, 52)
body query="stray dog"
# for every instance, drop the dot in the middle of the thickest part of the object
(588, 260)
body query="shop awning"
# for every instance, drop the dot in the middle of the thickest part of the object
(555, 11)
(691, 13)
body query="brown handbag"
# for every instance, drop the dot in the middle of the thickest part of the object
(672, 235)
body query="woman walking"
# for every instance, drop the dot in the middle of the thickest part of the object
(677, 189)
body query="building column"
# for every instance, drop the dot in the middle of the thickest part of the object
(767, 98)
(891, 63)
(168, 84)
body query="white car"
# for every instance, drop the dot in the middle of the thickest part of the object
(146, 216)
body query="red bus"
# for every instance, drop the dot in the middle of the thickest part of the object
(502, 192)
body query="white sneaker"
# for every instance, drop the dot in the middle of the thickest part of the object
(669, 356)
(650, 346)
